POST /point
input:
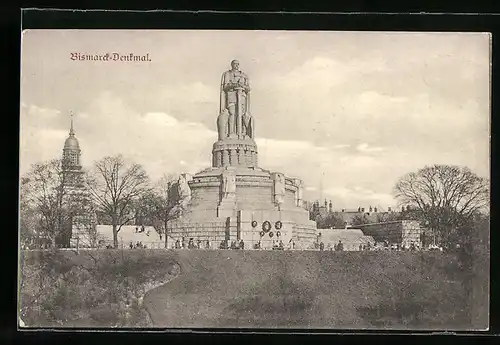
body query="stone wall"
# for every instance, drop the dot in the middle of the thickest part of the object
(397, 232)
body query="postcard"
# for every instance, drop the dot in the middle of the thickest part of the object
(254, 179)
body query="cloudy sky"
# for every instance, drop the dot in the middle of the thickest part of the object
(348, 112)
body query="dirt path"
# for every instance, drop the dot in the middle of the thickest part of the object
(155, 295)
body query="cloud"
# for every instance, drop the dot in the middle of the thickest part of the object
(359, 196)
(159, 141)
(364, 147)
(341, 110)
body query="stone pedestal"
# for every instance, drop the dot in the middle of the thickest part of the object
(207, 215)
(234, 153)
(226, 208)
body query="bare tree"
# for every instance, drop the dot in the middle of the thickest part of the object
(115, 188)
(445, 197)
(52, 207)
(359, 220)
(330, 220)
(161, 204)
(29, 220)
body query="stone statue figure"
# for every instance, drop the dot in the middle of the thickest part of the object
(223, 124)
(183, 188)
(235, 98)
(228, 185)
(279, 188)
(248, 125)
(184, 194)
(298, 194)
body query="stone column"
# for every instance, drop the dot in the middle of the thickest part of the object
(239, 153)
(245, 157)
(218, 159)
(225, 158)
(233, 157)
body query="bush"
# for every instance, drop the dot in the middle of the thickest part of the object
(100, 288)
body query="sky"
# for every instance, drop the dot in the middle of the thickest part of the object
(347, 112)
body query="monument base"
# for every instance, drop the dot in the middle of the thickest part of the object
(242, 217)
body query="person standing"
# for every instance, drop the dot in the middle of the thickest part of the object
(340, 246)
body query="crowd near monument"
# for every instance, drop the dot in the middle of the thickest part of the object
(235, 199)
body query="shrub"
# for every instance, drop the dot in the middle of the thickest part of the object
(94, 288)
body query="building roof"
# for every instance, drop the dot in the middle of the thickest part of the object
(347, 236)
(71, 142)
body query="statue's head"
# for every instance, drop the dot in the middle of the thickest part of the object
(235, 65)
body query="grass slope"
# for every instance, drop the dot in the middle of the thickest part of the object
(312, 290)
(266, 289)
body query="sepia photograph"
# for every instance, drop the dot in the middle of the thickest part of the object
(253, 179)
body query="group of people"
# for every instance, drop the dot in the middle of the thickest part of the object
(191, 244)
(384, 245)
(376, 246)
(277, 245)
(138, 245)
(224, 244)
(141, 229)
(337, 247)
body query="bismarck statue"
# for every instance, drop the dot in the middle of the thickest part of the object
(235, 199)
(235, 120)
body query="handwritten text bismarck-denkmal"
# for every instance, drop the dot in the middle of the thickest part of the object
(131, 57)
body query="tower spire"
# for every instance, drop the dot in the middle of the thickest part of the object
(321, 187)
(71, 131)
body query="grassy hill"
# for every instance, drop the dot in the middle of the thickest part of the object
(267, 289)
(313, 290)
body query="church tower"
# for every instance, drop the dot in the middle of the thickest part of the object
(72, 185)
(71, 166)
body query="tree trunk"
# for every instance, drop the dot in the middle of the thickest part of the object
(115, 235)
(166, 234)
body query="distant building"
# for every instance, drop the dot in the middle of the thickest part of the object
(370, 214)
(403, 232)
(71, 166)
(72, 182)
(351, 239)
(79, 226)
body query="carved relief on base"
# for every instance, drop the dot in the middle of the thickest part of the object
(279, 188)
(298, 194)
(228, 185)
